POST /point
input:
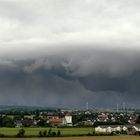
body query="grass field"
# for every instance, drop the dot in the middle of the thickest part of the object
(35, 131)
(80, 138)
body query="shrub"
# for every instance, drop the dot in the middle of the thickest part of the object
(53, 134)
(138, 133)
(113, 133)
(21, 133)
(89, 134)
(2, 135)
(123, 132)
(93, 133)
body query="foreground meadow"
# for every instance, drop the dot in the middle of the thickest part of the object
(80, 138)
(35, 131)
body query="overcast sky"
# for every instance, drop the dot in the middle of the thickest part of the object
(68, 52)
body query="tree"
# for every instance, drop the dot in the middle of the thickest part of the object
(37, 114)
(53, 134)
(138, 119)
(40, 134)
(7, 122)
(58, 133)
(94, 133)
(44, 133)
(50, 132)
(42, 122)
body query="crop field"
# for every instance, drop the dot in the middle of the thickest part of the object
(35, 131)
(81, 138)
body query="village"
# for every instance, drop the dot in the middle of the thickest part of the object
(103, 122)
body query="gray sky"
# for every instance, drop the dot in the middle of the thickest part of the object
(68, 52)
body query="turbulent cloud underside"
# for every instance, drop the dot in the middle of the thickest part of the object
(67, 52)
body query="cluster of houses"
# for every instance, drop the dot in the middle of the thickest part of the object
(53, 121)
(129, 129)
(83, 118)
(129, 118)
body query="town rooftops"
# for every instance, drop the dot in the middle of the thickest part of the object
(55, 120)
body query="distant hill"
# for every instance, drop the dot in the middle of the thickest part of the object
(24, 108)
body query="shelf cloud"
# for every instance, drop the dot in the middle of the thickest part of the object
(66, 53)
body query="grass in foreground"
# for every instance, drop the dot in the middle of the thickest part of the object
(81, 138)
(35, 131)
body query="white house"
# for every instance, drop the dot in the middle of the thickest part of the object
(136, 128)
(108, 128)
(100, 129)
(124, 128)
(115, 128)
(67, 120)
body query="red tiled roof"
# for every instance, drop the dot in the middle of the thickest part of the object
(55, 120)
(102, 117)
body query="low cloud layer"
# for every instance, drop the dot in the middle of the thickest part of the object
(32, 27)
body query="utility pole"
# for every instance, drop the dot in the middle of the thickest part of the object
(117, 107)
(87, 106)
(124, 106)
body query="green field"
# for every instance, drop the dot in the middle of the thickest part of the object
(80, 138)
(35, 131)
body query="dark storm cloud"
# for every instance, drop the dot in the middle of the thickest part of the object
(103, 78)
(68, 52)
